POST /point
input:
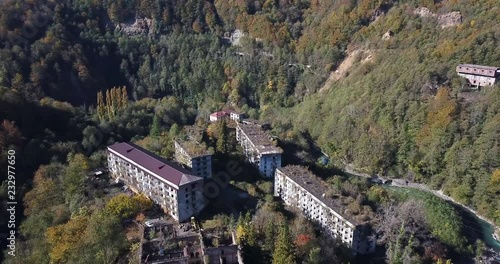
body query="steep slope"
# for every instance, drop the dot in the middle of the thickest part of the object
(403, 114)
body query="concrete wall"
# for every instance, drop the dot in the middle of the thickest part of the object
(202, 166)
(190, 200)
(268, 164)
(327, 218)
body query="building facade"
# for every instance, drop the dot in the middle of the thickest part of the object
(175, 189)
(299, 188)
(195, 156)
(218, 116)
(258, 147)
(479, 75)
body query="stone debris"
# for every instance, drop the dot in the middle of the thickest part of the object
(140, 26)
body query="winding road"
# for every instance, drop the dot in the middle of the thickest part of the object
(402, 183)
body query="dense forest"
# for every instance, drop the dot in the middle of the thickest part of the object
(78, 75)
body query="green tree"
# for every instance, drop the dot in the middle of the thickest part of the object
(155, 127)
(104, 238)
(223, 138)
(284, 252)
(73, 179)
(269, 236)
(314, 256)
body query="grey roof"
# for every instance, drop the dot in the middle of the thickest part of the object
(478, 69)
(316, 187)
(259, 138)
(193, 149)
(162, 168)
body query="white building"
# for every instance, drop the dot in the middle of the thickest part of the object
(479, 75)
(175, 189)
(234, 115)
(259, 148)
(299, 188)
(218, 116)
(195, 156)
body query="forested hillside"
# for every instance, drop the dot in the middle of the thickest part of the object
(405, 112)
(395, 107)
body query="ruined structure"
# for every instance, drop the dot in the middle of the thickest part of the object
(195, 156)
(175, 189)
(301, 189)
(258, 147)
(166, 242)
(479, 75)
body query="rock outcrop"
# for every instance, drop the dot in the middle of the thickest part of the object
(423, 12)
(445, 20)
(388, 35)
(450, 19)
(140, 26)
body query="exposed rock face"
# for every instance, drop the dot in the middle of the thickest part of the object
(423, 12)
(388, 35)
(450, 19)
(140, 26)
(445, 20)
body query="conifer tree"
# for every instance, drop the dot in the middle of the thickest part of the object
(155, 127)
(251, 234)
(269, 236)
(284, 252)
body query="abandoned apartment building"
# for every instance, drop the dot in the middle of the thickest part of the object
(258, 147)
(177, 190)
(479, 75)
(166, 242)
(301, 189)
(195, 156)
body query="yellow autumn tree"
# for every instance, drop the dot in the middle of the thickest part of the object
(125, 206)
(124, 98)
(101, 107)
(440, 115)
(66, 239)
(495, 181)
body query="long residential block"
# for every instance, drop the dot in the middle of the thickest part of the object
(259, 148)
(301, 189)
(195, 156)
(175, 189)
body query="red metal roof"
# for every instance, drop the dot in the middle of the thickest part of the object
(166, 170)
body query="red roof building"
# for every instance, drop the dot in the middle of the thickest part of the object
(217, 116)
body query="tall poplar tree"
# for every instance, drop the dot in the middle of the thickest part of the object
(101, 107)
(124, 98)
